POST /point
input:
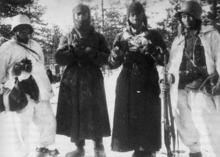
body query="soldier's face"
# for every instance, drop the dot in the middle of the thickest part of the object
(136, 18)
(23, 31)
(188, 21)
(81, 15)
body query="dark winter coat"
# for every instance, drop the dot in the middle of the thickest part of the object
(82, 108)
(137, 116)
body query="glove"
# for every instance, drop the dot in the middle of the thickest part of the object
(79, 53)
(211, 85)
(116, 52)
(149, 49)
(23, 65)
(17, 69)
(91, 53)
(26, 65)
(164, 87)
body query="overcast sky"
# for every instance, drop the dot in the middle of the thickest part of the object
(59, 12)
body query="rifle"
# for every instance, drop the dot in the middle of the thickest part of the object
(169, 130)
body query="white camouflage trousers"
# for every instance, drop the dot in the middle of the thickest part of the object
(198, 122)
(42, 115)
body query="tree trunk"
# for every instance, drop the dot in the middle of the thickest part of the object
(102, 7)
(214, 11)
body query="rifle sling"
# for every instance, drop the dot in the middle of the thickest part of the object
(28, 49)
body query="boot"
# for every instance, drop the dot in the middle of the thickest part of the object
(44, 152)
(135, 154)
(99, 150)
(140, 153)
(79, 152)
(199, 154)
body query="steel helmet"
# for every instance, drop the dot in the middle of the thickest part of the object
(21, 19)
(192, 8)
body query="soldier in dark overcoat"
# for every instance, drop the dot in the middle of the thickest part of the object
(82, 108)
(137, 116)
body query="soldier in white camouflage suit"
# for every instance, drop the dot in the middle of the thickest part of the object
(25, 86)
(194, 60)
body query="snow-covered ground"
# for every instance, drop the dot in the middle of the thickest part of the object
(63, 143)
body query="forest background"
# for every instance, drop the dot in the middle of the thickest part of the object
(108, 17)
